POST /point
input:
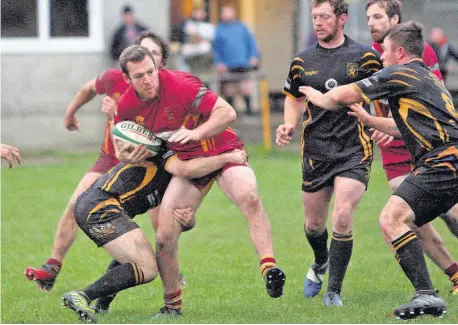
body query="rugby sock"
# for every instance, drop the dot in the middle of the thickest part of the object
(106, 300)
(452, 272)
(247, 100)
(267, 262)
(339, 256)
(114, 280)
(412, 261)
(319, 244)
(173, 300)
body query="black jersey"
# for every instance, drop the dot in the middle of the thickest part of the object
(421, 106)
(332, 135)
(138, 187)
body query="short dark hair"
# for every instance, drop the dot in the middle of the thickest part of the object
(408, 35)
(392, 7)
(340, 6)
(158, 40)
(126, 9)
(134, 53)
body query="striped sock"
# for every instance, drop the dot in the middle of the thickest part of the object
(410, 256)
(340, 252)
(267, 262)
(173, 300)
(452, 272)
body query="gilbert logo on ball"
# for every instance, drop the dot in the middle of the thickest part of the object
(135, 134)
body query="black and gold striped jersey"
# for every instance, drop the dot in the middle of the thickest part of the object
(421, 106)
(332, 135)
(137, 187)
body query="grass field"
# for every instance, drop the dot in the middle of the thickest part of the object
(219, 263)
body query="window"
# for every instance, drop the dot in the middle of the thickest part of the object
(52, 26)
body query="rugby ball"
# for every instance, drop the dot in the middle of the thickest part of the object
(135, 134)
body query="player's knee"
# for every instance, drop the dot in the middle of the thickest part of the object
(342, 218)
(249, 200)
(150, 271)
(165, 240)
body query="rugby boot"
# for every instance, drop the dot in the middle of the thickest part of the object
(78, 302)
(167, 312)
(423, 303)
(314, 279)
(275, 280)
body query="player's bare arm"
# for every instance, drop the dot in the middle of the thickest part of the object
(221, 117)
(294, 109)
(334, 99)
(383, 124)
(199, 167)
(109, 107)
(84, 95)
(10, 153)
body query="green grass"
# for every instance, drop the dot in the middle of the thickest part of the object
(217, 258)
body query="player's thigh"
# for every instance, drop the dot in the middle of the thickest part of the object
(238, 183)
(347, 193)
(132, 247)
(154, 217)
(180, 194)
(88, 179)
(396, 181)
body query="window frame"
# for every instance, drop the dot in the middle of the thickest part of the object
(44, 43)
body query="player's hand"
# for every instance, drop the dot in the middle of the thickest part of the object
(185, 218)
(129, 154)
(71, 123)
(10, 153)
(238, 157)
(312, 94)
(184, 136)
(109, 107)
(284, 134)
(360, 113)
(380, 138)
(254, 62)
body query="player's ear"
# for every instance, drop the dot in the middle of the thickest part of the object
(395, 20)
(343, 19)
(126, 79)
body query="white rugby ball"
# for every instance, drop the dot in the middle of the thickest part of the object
(135, 134)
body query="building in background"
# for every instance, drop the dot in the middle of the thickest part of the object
(50, 47)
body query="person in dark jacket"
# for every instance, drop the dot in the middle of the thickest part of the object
(126, 34)
(444, 50)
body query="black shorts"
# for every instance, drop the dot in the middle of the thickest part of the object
(101, 216)
(318, 174)
(429, 191)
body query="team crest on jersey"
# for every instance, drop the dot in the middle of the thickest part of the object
(116, 95)
(140, 120)
(169, 114)
(352, 70)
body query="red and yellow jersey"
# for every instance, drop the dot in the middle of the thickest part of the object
(111, 83)
(183, 101)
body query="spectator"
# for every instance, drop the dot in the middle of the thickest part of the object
(126, 34)
(197, 47)
(235, 51)
(444, 50)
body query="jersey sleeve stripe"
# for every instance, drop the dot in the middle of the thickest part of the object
(375, 62)
(199, 97)
(368, 54)
(366, 99)
(400, 82)
(289, 94)
(405, 74)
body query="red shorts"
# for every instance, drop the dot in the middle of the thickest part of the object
(396, 160)
(104, 163)
(205, 183)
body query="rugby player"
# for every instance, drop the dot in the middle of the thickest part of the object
(425, 118)
(195, 122)
(336, 150)
(105, 212)
(396, 159)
